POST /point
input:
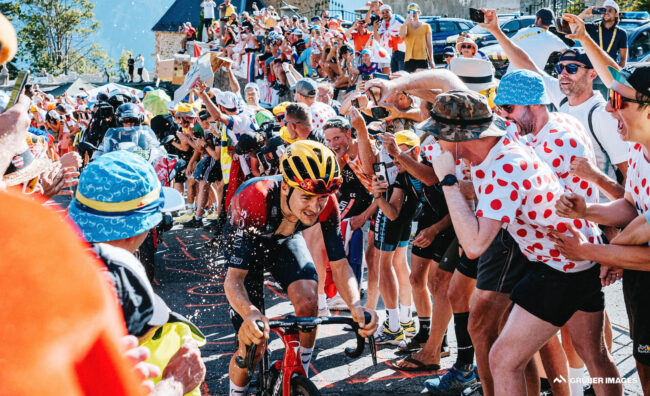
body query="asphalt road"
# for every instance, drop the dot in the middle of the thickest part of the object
(190, 277)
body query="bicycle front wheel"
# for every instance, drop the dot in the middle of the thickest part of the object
(302, 386)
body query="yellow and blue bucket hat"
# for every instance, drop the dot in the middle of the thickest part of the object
(119, 196)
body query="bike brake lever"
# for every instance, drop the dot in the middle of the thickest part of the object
(248, 362)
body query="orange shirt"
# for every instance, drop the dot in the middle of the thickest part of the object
(360, 40)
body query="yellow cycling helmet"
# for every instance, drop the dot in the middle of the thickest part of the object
(407, 137)
(311, 167)
(281, 108)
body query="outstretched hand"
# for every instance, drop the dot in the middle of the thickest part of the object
(577, 26)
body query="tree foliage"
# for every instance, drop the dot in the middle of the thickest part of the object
(55, 35)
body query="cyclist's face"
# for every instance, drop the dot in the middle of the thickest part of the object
(307, 207)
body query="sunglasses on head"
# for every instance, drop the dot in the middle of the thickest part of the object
(318, 186)
(571, 68)
(617, 100)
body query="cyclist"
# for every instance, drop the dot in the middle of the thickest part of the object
(265, 220)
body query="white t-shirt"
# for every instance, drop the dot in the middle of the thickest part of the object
(637, 184)
(538, 43)
(208, 9)
(604, 125)
(507, 183)
(560, 141)
(139, 62)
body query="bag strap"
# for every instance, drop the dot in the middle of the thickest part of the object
(591, 130)
(562, 102)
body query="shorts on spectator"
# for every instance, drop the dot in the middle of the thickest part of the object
(389, 235)
(412, 65)
(637, 295)
(437, 248)
(555, 296)
(383, 65)
(450, 257)
(467, 266)
(207, 169)
(502, 265)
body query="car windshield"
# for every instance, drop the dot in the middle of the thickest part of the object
(630, 25)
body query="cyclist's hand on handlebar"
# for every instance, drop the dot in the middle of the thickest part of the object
(365, 330)
(249, 333)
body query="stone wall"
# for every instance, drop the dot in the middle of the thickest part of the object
(456, 8)
(167, 44)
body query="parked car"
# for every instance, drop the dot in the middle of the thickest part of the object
(629, 24)
(441, 28)
(635, 15)
(509, 25)
(638, 41)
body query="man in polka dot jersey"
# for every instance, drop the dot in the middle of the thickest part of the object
(306, 90)
(629, 104)
(557, 138)
(516, 188)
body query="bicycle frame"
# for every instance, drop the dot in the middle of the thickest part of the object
(291, 361)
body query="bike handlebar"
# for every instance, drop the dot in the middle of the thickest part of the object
(308, 324)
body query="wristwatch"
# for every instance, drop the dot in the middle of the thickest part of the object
(449, 180)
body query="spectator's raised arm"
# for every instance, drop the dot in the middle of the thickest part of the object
(598, 57)
(517, 56)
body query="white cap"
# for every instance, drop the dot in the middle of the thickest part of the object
(611, 3)
(385, 7)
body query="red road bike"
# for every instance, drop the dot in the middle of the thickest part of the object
(287, 377)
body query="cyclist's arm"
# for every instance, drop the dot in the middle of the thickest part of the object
(345, 282)
(237, 294)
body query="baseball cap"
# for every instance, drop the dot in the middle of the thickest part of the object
(413, 7)
(521, 87)
(611, 3)
(459, 116)
(315, 19)
(634, 76)
(364, 51)
(407, 137)
(546, 15)
(306, 87)
(449, 50)
(141, 307)
(227, 100)
(252, 85)
(385, 7)
(119, 196)
(576, 54)
(477, 74)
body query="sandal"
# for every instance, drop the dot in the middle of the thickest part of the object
(419, 366)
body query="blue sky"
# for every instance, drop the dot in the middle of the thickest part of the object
(126, 24)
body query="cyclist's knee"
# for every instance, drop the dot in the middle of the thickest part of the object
(306, 305)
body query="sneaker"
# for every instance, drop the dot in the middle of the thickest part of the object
(194, 223)
(409, 328)
(184, 218)
(389, 337)
(452, 383)
(336, 303)
(324, 312)
(213, 215)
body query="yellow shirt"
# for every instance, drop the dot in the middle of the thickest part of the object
(416, 42)
(226, 160)
(270, 22)
(229, 10)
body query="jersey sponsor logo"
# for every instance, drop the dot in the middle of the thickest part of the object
(236, 260)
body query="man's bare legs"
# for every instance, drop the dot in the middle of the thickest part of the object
(402, 271)
(372, 263)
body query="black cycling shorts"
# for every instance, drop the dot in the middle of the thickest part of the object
(637, 295)
(467, 266)
(502, 265)
(554, 296)
(437, 248)
(287, 259)
(208, 170)
(389, 235)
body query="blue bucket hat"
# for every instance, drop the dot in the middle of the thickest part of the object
(521, 87)
(119, 196)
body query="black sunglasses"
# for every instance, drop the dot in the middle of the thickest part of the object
(506, 108)
(571, 68)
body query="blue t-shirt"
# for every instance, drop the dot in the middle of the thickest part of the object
(368, 70)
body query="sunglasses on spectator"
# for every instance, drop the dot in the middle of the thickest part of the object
(617, 100)
(466, 46)
(279, 117)
(571, 68)
(449, 56)
(291, 122)
(506, 108)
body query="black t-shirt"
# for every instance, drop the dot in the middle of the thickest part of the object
(299, 46)
(131, 63)
(353, 196)
(613, 39)
(317, 135)
(431, 197)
